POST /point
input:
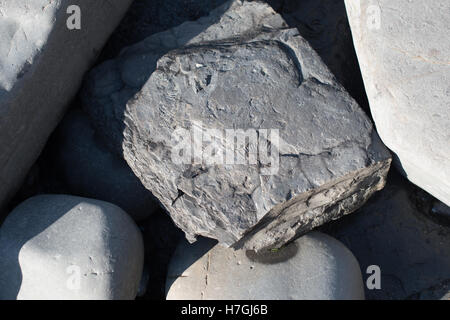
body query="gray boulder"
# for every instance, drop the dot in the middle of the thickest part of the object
(315, 266)
(404, 55)
(90, 170)
(65, 247)
(306, 153)
(42, 63)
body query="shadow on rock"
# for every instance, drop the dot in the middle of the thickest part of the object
(11, 243)
(393, 232)
(324, 24)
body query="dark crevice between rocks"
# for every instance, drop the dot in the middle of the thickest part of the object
(395, 231)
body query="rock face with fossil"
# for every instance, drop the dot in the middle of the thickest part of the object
(175, 104)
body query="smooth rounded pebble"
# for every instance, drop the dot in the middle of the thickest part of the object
(65, 247)
(315, 266)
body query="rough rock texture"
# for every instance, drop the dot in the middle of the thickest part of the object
(397, 230)
(404, 55)
(48, 240)
(315, 266)
(324, 24)
(90, 170)
(239, 69)
(41, 66)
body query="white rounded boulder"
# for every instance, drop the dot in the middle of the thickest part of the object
(66, 247)
(314, 266)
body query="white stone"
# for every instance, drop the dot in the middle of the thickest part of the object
(62, 247)
(315, 266)
(42, 63)
(403, 50)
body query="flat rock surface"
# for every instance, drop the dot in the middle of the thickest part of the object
(64, 247)
(315, 266)
(404, 55)
(42, 63)
(326, 161)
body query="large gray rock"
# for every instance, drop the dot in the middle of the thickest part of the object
(65, 247)
(315, 266)
(90, 170)
(404, 55)
(240, 69)
(42, 63)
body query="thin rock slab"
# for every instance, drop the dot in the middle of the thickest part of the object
(61, 247)
(314, 267)
(403, 50)
(315, 154)
(42, 63)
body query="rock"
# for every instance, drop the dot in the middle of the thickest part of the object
(65, 247)
(442, 211)
(315, 266)
(89, 169)
(152, 104)
(144, 283)
(41, 67)
(409, 246)
(324, 24)
(405, 63)
(146, 17)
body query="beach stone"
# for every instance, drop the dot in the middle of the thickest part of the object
(62, 247)
(90, 170)
(405, 63)
(238, 69)
(315, 266)
(42, 63)
(395, 231)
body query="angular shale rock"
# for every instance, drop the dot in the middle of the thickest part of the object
(65, 247)
(41, 67)
(239, 69)
(314, 266)
(403, 50)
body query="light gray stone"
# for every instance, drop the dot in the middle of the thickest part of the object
(42, 63)
(64, 247)
(239, 69)
(315, 266)
(404, 54)
(90, 170)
